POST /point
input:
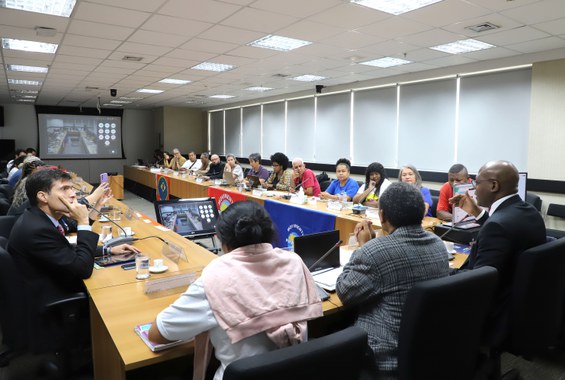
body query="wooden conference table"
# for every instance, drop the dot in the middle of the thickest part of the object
(118, 301)
(186, 186)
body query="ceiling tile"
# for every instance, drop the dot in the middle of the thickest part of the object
(139, 5)
(156, 38)
(513, 36)
(109, 15)
(228, 34)
(93, 29)
(258, 20)
(296, 8)
(95, 43)
(349, 16)
(209, 46)
(207, 11)
(175, 25)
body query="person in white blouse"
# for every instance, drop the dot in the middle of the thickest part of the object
(233, 167)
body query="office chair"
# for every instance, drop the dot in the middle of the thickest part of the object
(441, 326)
(6, 191)
(434, 192)
(534, 200)
(6, 224)
(4, 206)
(433, 206)
(536, 305)
(337, 356)
(559, 212)
(52, 329)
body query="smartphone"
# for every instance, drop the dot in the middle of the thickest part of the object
(103, 178)
(128, 266)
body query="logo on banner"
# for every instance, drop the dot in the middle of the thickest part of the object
(162, 188)
(293, 231)
(224, 201)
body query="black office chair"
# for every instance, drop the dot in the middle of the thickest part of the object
(6, 224)
(557, 211)
(536, 306)
(6, 191)
(337, 356)
(433, 206)
(4, 206)
(441, 326)
(54, 328)
(434, 192)
(534, 200)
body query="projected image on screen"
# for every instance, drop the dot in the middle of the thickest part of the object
(79, 136)
(188, 218)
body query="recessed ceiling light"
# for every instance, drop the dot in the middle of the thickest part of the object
(29, 91)
(28, 69)
(222, 96)
(26, 96)
(395, 7)
(130, 98)
(463, 46)
(25, 82)
(53, 7)
(174, 81)
(211, 66)
(308, 78)
(29, 46)
(112, 105)
(149, 91)
(26, 100)
(385, 62)
(279, 43)
(259, 89)
(120, 101)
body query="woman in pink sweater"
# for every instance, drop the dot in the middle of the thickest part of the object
(253, 299)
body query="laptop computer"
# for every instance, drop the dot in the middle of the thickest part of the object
(189, 217)
(229, 178)
(311, 248)
(253, 181)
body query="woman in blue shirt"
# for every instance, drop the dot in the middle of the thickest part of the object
(410, 174)
(343, 184)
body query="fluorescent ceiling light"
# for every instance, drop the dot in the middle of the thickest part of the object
(222, 96)
(385, 62)
(395, 7)
(463, 46)
(28, 69)
(149, 91)
(259, 89)
(130, 98)
(279, 43)
(211, 66)
(120, 101)
(29, 91)
(112, 105)
(29, 46)
(25, 82)
(308, 78)
(27, 96)
(26, 100)
(50, 7)
(174, 81)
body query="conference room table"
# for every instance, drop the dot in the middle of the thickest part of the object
(118, 301)
(182, 185)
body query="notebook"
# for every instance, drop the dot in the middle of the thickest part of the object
(143, 332)
(311, 248)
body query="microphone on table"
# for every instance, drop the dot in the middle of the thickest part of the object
(296, 187)
(336, 245)
(114, 241)
(454, 225)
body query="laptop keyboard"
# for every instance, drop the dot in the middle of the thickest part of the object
(327, 279)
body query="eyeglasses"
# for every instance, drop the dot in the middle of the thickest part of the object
(275, 165)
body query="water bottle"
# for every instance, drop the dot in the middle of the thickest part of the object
(342, 197)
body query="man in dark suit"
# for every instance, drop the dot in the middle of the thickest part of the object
(50, 265)
(509, 227)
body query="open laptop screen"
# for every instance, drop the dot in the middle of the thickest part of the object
(312, 247)
(188, 217)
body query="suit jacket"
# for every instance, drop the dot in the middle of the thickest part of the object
(514, 227)
(49, 264)
(216, 171)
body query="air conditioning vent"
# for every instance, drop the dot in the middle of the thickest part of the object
(482, 27)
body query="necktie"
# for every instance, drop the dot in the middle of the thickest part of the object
(60, 229)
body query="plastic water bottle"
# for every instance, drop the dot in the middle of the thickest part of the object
(342, 197)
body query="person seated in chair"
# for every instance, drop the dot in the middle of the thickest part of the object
(508, 228)
(344, 186)
(49, 264)
(192, 164)
(251, 300)
(457, 175)
(305, 178)
(216, 170)
(376, 182)
(257, 169)
(380, 273)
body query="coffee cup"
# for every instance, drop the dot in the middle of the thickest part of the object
(157, 263)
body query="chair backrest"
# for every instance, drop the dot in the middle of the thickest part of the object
(4, 206)
(433, 206)
(537, 298)
(13, 311)
(434, 192)
(336, 356)
(441, 326)
(534, 200)
(556, 210)
(6, 224)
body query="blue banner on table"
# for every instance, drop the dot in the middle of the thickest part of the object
(292, 221)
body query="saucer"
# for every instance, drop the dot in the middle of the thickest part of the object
(161, 269)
